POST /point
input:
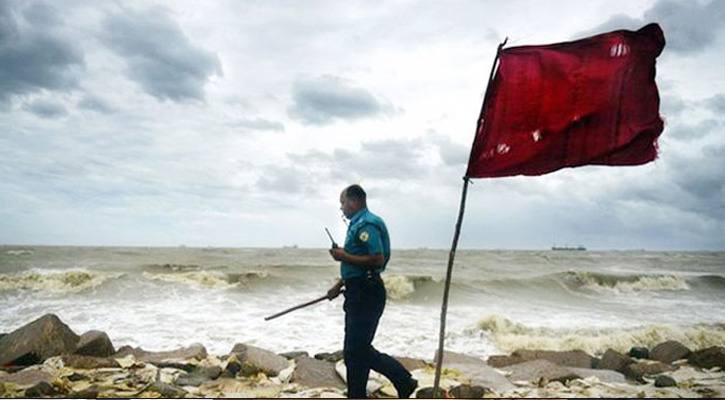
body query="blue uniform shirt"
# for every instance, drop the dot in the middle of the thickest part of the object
(366, 234)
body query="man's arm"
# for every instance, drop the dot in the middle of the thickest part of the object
(364, 260)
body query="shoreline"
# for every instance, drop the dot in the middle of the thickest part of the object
(58, 363)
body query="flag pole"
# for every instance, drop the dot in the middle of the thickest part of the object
(456, 235)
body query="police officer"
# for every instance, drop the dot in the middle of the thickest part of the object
(363, 258)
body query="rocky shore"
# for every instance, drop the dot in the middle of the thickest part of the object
(45, 358)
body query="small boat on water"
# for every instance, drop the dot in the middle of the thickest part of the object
(567, 248)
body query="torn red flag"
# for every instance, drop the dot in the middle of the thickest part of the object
(590, 101)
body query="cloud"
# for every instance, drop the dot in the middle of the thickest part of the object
(97, 104)
(328, 98)
(46, 109)
(717, 104)
(35, 52)
(689, 26)
(159, 56)
(259, 124)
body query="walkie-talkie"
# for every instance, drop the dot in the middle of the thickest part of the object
(334, 244)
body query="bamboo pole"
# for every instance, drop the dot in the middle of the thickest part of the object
(456, 235)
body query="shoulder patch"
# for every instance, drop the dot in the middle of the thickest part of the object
(364, 236)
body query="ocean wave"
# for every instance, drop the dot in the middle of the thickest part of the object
(207, 279)
(71, 281)
(401, 287)
(509, 336)
(627, 284)
(19, 252)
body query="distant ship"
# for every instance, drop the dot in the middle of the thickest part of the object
(567, 248)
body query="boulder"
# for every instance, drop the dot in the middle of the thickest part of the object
(638, 370)
(467, 392)
(639, 352)
(315, 373)
(195, 351)
(709, 358)
(27, 377)
(166, 390)
(31, 344)
(665, 381)
(669, 352)
(478, 371)
(41, 389)
(96, 344)
(411, 364)
(255, 360)
(604, 375)
(88, 362)
(614, 360)
(199, 376)
(294, 354)
(571, 358)
(331, 357)
(540, 369)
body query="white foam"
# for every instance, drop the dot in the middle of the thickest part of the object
(509, 336)
(76, 280)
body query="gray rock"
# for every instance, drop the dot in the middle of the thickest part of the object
(614, 361)
(540, 369)
(331, 357)
(478, 371)
(88, 362)
(669, 352)
(639, 352)
(41, 389)
(43, 338)
(468, 392)
(26, 377)
(572, 358)
(647, 368)
(665, 381)
(294, 354)
(199, 376)
(709, 358)
(411, 363)
(603, 375)
(316, 373)
(429, 393)
(195, 351)
(166, 390)
(96, 344)
(257, 360)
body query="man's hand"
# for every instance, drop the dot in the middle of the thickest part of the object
(338, 254)
(335, 290)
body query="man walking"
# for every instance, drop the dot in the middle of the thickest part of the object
(362, 259)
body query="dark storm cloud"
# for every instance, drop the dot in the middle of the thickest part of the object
(46, 109)
(328, 98)
(35, 53)
(159, 56)
(703, 178)
(689, 26)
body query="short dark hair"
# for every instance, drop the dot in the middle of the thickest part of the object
(356, 192)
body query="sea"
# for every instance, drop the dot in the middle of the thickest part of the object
(162, 299)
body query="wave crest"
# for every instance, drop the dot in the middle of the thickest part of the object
(509, 336)
(629, 284)
(401, 287)
(72, 281)
(204, 279)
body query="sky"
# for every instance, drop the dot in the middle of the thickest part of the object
(237, 124)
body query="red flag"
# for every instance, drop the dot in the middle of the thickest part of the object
(590, 101)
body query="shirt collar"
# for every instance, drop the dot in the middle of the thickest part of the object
(358, 215)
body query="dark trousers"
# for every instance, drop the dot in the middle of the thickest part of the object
(364, 304)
